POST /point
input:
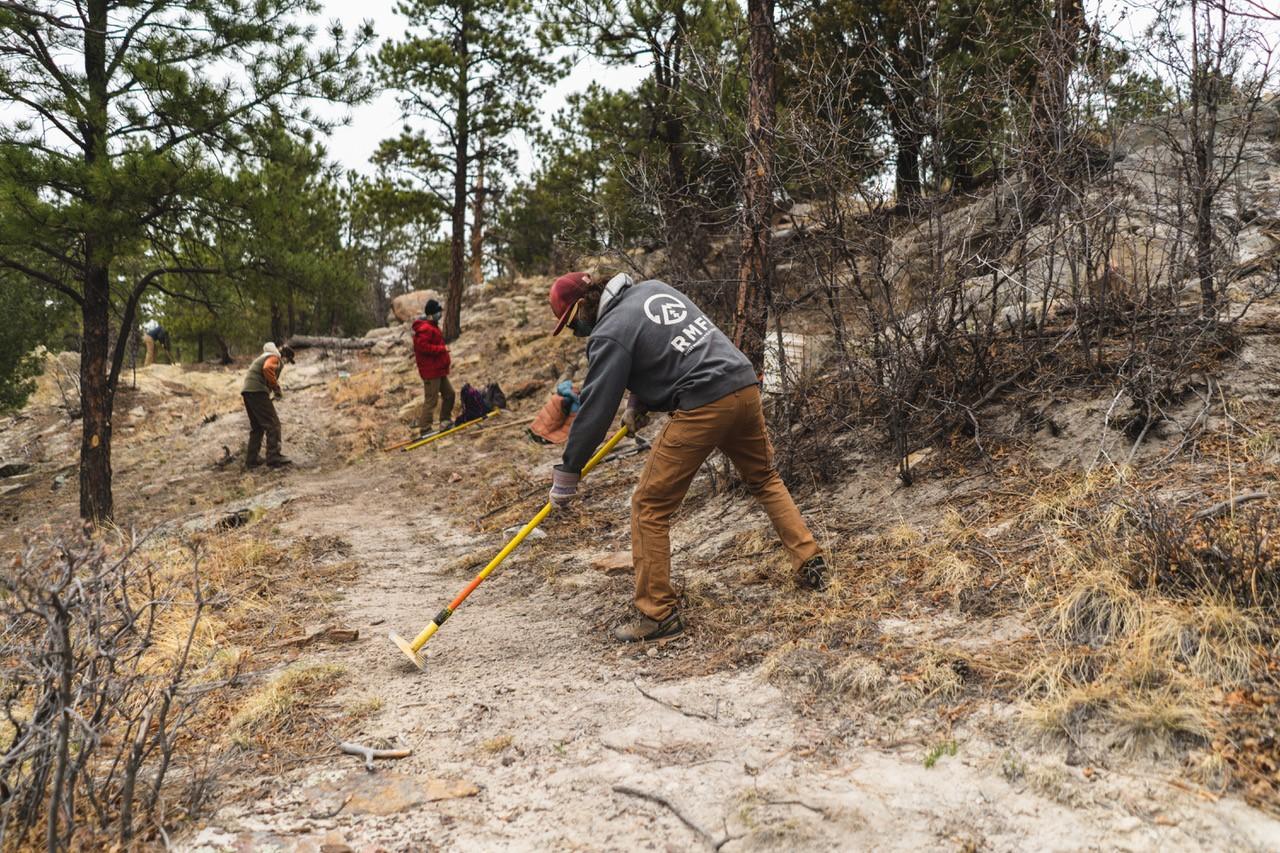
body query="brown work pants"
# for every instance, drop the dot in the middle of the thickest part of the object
(432, 390)
(150, 344)
(733, 424)
(262, 420)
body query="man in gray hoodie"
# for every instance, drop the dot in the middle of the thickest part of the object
(652, 340)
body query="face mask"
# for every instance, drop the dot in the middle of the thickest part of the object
(581, 327)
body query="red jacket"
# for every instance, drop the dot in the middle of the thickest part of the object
(429, 350)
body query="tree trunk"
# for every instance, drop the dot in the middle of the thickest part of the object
(224, 351)
(95, 394)
(96, 397)
(477, 225)
(457, 245)
(1204, 238)
(755, 270)
(308, 341)
(906, 170)
(277, 323)
(1060, 52)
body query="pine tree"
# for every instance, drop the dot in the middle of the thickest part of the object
(468, 74)
(671, 36)
(111, 110)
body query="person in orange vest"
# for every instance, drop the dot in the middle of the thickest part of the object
(261, 385)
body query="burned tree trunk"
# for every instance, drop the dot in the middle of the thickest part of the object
(477, 225)
(755, 271)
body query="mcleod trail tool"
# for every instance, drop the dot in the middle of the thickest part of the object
(408, 441)
(411, 648)
(414, 445)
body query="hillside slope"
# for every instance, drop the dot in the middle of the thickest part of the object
(908, 708)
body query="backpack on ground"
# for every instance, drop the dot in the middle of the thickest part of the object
(494, 398)
(474, 406)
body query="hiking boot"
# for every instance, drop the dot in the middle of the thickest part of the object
(814, 575)
(445, 425)
(645, 629)
(253, 463)
(279, 462)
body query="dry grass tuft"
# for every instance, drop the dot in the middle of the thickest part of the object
(936, 679)
(1215, 641)
(495, 745)
(1148, 621)
(278, 712)
(797, 662)
(1156, 722)
(952, 573)
(360, 389)
(859, 676)
(1098, 607)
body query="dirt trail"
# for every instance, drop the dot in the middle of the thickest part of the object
(526, 700)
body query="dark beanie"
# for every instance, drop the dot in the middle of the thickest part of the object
(432, 307)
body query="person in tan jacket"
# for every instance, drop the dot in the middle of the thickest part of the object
(652, 340)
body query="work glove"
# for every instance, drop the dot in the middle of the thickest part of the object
(278, 395)
(564, 487)
(635, 417)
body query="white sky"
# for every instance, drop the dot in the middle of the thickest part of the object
(379, 119)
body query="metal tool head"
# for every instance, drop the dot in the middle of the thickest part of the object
(405, 646)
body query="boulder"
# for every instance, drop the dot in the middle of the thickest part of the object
(384, 346)
(408, 306)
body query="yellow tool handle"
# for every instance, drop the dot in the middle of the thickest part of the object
(416, 444)
(420, 640)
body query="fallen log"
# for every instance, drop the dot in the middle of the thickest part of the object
(307, 341)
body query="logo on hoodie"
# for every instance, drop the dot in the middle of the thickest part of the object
(665, 309)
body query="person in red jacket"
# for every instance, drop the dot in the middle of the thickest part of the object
(433, 366)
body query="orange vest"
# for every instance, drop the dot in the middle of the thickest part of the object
(551, 423)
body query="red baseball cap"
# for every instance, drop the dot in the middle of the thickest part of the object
(566, 295)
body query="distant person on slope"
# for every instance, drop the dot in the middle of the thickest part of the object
(652, 340)
(261, 384)
(155, 334)
(433, 366)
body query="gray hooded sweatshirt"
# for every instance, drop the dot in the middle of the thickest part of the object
(652, 340)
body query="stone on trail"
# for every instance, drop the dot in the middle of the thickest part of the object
(384, 793)
(334, 842)
(614, 563)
